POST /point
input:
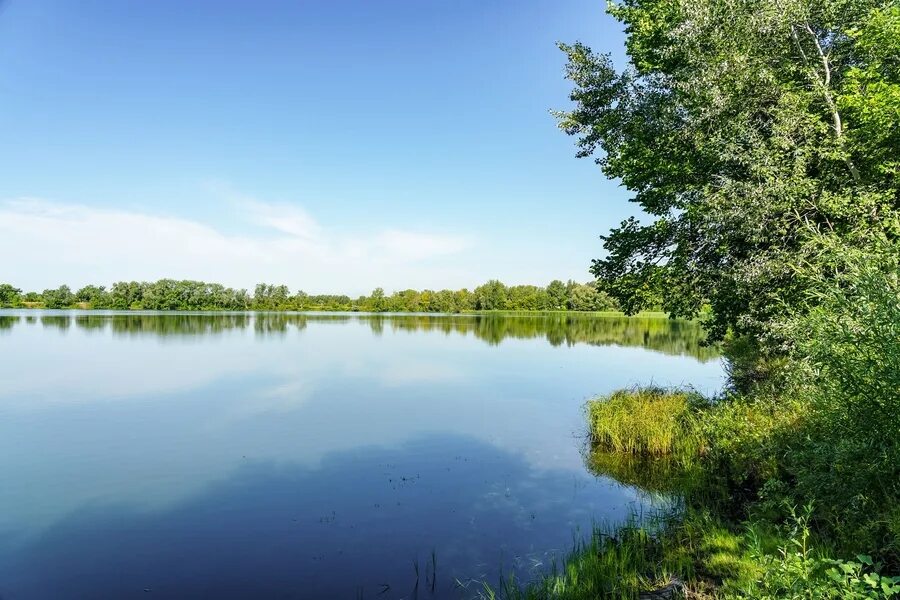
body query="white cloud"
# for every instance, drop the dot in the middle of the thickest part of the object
(412, 245)
(46, 243)
(285, 218)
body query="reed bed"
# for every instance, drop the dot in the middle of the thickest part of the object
(645, 422)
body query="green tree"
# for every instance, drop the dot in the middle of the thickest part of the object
(125, 295)
(61, 297)
(526, 297)
(95, 296)
(463, 300)
(271, 297)
(493, 295)
(743, 129)
(9, 296)
(377, 302)
(556, 295)
(586, 297)
(443, 301)
(171, 294)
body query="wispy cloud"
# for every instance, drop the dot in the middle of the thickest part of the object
(50, 242)
(416, 246)
(287, 219)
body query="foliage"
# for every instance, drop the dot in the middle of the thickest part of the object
(61, 297)
(848, 461)
(696, 554)
(746, 437)
(761, 141)
(742, 128)
(92, 295)
(799, 572)
(9, 296)
(820, 429)
(169, 294)
(692, 555)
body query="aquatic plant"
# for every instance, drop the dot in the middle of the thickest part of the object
(646, 421)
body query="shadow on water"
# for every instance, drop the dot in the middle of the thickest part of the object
(656, 476)
(659, 334)
(376, 522)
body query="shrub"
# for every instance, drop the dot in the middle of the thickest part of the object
(799, 571)
(849, 462)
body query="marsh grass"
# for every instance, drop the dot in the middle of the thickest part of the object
(692, 553)
(617, 562)
(646, 421)
(698, 555)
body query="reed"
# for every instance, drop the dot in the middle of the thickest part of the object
(645, 421)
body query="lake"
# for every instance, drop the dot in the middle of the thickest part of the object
(241, 455)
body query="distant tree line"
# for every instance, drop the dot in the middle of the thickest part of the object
(169, 294)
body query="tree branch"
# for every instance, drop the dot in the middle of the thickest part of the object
(826, 92)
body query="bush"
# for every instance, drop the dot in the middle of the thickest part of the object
(747, 437)
(849, 461)
(799, 571)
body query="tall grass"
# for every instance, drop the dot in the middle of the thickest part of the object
(666, 556)
(645, 421)
(617, 562)
(698, 555)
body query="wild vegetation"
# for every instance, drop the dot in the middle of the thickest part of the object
(169, 294)
(647, 422)
(761, 138)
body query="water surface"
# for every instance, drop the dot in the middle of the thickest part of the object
(308, 456)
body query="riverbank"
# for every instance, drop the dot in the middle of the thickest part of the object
(786, 484)
(744, 527)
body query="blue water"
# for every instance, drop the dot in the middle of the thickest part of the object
(307, 456)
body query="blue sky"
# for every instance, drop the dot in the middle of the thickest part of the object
(332, 145)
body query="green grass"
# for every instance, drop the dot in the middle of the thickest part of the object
(617, 562)
(706, 558)
(644, 421)
(693, 552)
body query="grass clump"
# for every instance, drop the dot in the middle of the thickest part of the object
(615, 563)
(644, 421)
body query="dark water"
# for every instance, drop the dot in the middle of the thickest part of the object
(308, 456)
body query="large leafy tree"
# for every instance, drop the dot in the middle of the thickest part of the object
(9, 295)
(745, 130)
(61, 297)
(556, 294)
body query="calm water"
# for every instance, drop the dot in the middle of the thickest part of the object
(307, 456)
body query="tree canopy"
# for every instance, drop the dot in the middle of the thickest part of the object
(746, 130)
